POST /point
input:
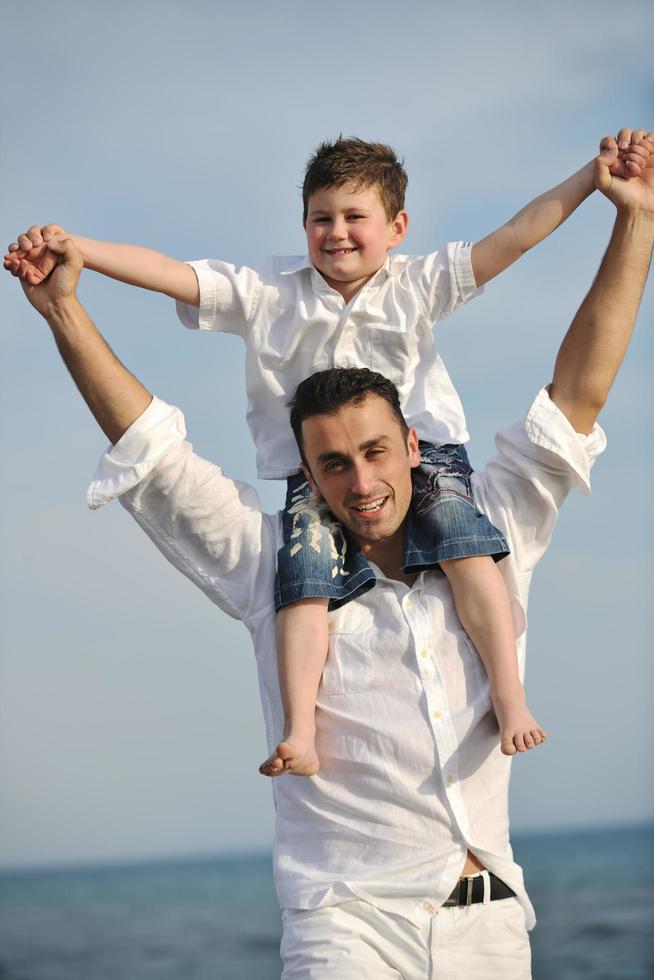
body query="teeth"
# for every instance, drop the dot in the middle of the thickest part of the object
(373, 506)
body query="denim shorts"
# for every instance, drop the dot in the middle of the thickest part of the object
(443, 521)
(319, 559)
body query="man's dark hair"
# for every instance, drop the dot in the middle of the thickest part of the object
(353, 161)
(327, 391)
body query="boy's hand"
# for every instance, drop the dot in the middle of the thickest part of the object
(634, 194)
(635, 149)
(29, 258)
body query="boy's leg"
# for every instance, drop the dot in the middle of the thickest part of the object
(448, 531)
(302, 640)
(315, 566)
(482, 603)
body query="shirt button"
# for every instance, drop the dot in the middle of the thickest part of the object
(428, 907)
(424, 653)
(408, 603)
(450, 779)
(345, 362)
(438, 714)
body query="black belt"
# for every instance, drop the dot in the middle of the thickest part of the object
(470, 891)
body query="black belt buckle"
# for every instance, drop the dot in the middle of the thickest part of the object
(463, 893)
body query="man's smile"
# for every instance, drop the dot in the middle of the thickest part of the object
(372, 507)
(338, 252)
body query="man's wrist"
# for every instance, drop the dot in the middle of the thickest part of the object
(635, 218)
(62, 310)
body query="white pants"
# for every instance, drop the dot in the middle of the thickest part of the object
(356, 941)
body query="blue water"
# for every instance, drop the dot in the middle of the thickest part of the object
(218, 919)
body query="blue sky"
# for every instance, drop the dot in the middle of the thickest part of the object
(129, 721)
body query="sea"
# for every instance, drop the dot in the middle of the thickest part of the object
(217, 919)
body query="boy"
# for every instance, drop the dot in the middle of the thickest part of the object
(350, 304)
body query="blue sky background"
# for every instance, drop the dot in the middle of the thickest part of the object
(129, 716)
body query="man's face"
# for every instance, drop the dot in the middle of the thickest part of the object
(360, 463)
(349, 234)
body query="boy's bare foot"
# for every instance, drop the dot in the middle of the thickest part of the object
(294, 756)
(519, 730)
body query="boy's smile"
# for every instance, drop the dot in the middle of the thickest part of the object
(349, 235)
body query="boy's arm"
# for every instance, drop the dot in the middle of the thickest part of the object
(542, 216)
(32, 260)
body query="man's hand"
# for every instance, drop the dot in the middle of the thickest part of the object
(29, 257)
(60, 286)
(634, 152)
(627, 192)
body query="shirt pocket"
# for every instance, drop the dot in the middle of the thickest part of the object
(390, 354)
(350, 666)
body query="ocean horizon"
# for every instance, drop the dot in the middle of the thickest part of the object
(216, 917)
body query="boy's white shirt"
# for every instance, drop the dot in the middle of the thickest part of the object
(293, 324)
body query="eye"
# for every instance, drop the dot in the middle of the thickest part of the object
(378, 451)
(334, 466)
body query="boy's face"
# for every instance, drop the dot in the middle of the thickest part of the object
(349, 235)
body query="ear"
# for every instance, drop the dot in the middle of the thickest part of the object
(399, 227)
(413, 451)
(314, 488)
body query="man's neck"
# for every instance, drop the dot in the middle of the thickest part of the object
(388, 556)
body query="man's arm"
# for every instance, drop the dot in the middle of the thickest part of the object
(542, 458)
(209, 527)
(115, 397)
(599, 335)
(542, 216)
(32, 260)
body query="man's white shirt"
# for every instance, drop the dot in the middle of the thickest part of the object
(411, 771)
(293, 323)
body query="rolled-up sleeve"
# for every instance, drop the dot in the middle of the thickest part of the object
(209, 527)
(444, 280)
(122, 466)
(227, 297)
(539, 461)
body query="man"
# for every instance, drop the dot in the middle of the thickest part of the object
(412, 792)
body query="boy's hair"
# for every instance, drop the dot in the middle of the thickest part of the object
(327, 391)
(353, 161)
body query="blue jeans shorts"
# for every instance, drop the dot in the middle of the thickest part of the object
(319, 559)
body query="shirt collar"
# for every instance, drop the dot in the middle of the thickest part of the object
(304, 262)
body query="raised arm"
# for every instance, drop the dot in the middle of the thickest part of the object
(599, 335)
(115, 397)
(542, 216)
(209, 527)
(31, 259)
